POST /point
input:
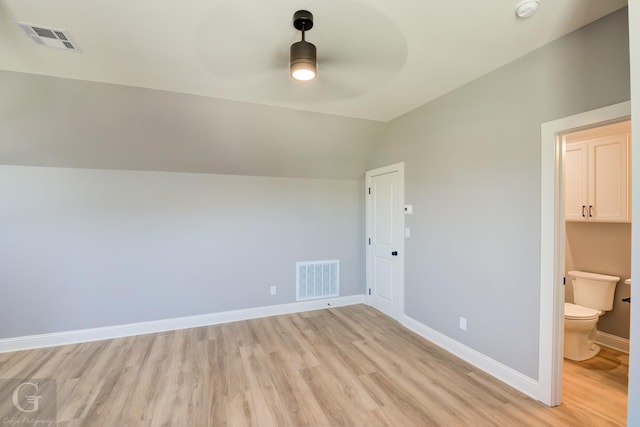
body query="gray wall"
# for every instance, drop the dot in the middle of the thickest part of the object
(48, 121)
(602, 248)
(472, 160)
(633, 403)
(83, 248)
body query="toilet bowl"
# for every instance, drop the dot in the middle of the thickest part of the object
(592, 296)
(579, 332)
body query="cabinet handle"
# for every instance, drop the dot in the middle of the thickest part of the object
(590, 211)
(583, 208)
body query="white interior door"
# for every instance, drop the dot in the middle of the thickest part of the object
(385, 239)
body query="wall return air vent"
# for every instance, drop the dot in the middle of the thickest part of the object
(47, 36)
(317, 279)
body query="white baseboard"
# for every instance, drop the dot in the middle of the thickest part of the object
(119, 331)
(612, 341)
(509, 376)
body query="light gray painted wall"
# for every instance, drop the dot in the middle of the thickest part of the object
(472, 160)
(633, 403)
(83, 248)
(47, 121)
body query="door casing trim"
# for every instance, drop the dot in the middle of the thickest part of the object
(552, 242)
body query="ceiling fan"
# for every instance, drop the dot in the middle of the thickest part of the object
(303, 64)
(263, 58)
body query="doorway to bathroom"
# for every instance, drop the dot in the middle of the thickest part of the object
(597, 266)
(553, 242)
(597, 213)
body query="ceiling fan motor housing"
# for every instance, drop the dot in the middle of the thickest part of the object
(303, 54)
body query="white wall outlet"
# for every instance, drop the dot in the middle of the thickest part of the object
(273, 290)
(407, 232)
(463, 323)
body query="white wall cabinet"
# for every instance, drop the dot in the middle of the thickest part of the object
(597, 178)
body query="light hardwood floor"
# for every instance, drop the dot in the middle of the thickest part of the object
(348, 366)
(595, 390)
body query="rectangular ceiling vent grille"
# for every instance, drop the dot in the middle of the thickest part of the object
(317, 279)
(47, 36)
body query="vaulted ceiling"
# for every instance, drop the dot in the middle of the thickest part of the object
(378, 59)
(203, 86)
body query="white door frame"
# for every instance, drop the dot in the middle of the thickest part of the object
(399, 168)
(552, 242)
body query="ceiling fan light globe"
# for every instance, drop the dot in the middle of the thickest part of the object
(303, 73)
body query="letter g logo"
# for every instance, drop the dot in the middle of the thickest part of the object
(31, 399)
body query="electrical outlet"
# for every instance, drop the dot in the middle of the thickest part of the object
(463, 323)
(273, 290)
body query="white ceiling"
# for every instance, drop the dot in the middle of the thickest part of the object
(378, 59)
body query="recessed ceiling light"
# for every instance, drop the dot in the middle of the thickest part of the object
(526, 8)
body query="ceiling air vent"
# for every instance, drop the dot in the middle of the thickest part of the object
(47, 36)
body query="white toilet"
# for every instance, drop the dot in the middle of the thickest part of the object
(593, 295)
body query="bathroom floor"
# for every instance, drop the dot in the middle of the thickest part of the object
(595, 390)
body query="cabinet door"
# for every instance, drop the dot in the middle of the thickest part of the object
(575, 182)
(609, 178)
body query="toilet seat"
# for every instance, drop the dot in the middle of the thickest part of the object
(578, 312)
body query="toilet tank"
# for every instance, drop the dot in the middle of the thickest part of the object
(593, 290)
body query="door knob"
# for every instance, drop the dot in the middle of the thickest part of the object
(394, 253)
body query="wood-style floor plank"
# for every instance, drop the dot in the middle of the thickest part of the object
(348, 366)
